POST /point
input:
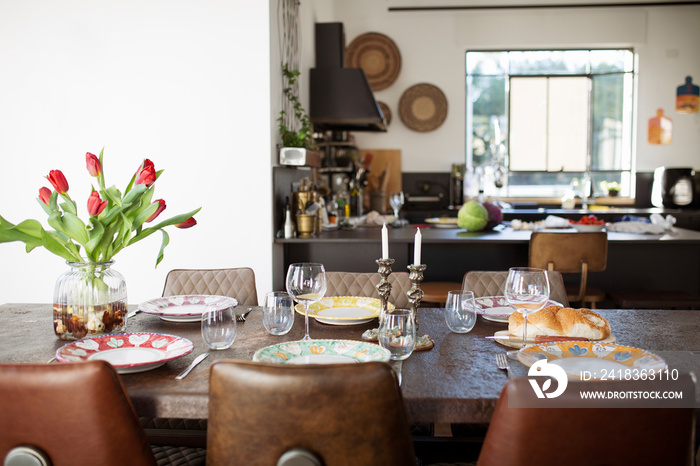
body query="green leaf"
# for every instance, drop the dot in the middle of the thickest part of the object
(166, 241)
(144, 214)
(28, 231)
(171, 221)
(95, 234)
(57, 246)
(75, 228)
(69, 206)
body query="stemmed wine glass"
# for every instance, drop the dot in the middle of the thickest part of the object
(396, 201)
(527, 291)
(306, 283)
(397, 333)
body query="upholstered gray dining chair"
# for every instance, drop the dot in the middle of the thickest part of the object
(331, 414)
(365, 284)
(238, 283)
(487, 283)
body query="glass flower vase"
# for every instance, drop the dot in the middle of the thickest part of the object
(89, 300)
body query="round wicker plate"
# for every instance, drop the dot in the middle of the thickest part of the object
(423, 107)
(386, 111)
(378, 56)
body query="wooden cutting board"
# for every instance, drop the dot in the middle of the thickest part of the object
(380, 159)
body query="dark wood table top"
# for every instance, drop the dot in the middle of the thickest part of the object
(455, 382)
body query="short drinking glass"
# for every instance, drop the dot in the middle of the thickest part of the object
(278, 312)
(460, 311)
(397, 333)
(219, 327)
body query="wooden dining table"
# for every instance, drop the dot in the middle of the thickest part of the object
(457, 381)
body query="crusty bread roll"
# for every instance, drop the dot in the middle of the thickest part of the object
(561, 321)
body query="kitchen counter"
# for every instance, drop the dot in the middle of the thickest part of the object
(635, 262)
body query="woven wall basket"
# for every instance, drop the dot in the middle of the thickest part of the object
(378, 56)
(423, 107)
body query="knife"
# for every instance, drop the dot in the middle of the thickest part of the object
(538, 338)
(196, 361)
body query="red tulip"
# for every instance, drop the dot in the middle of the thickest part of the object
(95, 205)
(58, 181)
(146, 173)
(45, 195)
(161, 208)
(93, 164)
(189, 223)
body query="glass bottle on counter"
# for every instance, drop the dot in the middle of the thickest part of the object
(288, 223)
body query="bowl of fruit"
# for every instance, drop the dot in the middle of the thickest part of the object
(588, 223)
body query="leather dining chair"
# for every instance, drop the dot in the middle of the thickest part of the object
(238, 283)
(489, 283)
(335, 414)
(572, 253)
(582, 432)
(69, 414)
(365, 284)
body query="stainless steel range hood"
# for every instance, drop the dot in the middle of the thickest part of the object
(340, 98)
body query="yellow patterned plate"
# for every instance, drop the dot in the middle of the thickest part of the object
(322, 352)
(594, 360)
(344, 310)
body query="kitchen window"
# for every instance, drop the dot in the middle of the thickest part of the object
(541, 123)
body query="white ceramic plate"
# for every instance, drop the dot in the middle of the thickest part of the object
(515, 341)
(344, 310)
(497, 309)
(599, 360)
(587, 228)
(127, 352)
(322, 352)
(185, 308)
(442, 222)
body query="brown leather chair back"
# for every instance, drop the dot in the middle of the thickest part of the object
(585, 435)
(75, 413)
(578, 253)
(484, 283)
(238, 283)
(365, 284)
(342, 413)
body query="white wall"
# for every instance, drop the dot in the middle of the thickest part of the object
(186, 84)
(433, 46)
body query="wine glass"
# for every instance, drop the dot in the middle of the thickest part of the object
(306, 283)
(396, 201)
(527, 291)
(397, 333)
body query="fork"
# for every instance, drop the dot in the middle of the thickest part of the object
(241, 318)
(502, 363)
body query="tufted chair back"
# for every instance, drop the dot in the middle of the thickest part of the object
(236, 283)
(365, 284)
(491, 284)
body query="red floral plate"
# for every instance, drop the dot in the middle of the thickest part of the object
(127, 352)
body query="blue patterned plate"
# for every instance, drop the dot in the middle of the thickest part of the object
(595, 360)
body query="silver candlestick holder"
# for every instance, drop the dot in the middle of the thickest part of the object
(384, 287)
(415, 294)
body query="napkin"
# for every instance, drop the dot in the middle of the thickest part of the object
(635, 227)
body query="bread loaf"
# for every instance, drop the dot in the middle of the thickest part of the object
(561, 321)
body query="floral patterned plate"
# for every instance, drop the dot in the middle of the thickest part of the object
(344, 310)
(497, 309)
(185, 308)
(322, 352)
(594, 360)
(127, 352)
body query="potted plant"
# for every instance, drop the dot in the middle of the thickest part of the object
(612, 187)
(298, 145)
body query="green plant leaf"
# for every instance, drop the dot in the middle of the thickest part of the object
(163, 244)
(95, 234)
(75, 228)
(171, 221)
(69, 206)
(134, 194)
(56, 245)
(28, 231)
